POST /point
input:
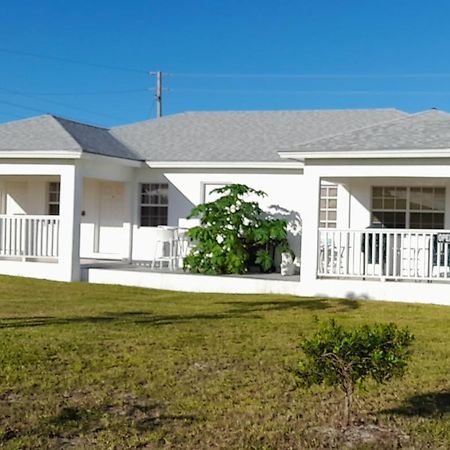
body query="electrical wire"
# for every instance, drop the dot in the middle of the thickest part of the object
(72, 61)
(64, 105)
(308, 76)
(305, 92)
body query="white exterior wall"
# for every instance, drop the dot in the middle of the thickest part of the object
(24, 195)
(187, 187)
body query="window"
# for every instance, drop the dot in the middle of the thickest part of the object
(53, 198)
(328, 206)
(154, 204)
(408, 207)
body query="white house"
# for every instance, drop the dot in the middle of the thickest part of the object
(370, 189)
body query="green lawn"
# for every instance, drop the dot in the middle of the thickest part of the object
(100, 367)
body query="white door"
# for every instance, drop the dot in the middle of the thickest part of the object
(111, 233)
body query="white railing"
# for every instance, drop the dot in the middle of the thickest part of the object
(384, 254)
(29, 236)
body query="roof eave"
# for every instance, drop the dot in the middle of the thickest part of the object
(367, 154)
(40, 154)
(224, 165)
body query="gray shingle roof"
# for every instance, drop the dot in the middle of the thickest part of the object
(96, 140)
(240, 136)
(43, 133)
(425, 130)
(51, 133)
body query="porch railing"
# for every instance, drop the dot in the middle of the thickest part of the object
(384, 254)
(29, 236)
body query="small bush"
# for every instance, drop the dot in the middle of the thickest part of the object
(345, 359)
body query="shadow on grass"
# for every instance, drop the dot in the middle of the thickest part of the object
(140, 415)
(245, 309)
(317, 304)
(431, 404)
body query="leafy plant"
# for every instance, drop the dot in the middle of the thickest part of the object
(234, 233)
(345, 359)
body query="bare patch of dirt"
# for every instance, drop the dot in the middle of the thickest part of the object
(360, 436)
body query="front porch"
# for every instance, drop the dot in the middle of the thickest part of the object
(386, 255)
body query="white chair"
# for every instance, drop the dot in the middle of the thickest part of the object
(165, 248)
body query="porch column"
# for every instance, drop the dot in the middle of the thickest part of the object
(70, 216)
(131, 198)
(310, 226)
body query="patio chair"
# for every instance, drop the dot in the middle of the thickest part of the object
(165, 248)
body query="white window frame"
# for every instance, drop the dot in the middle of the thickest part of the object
(50, 191)
(154, 205)
(327, 222)
(408, 210)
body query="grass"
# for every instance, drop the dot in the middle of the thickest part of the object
(107, 367)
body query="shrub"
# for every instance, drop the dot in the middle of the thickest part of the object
(234, 234)
(345, 359)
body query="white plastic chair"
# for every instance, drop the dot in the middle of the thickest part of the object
(165, 248)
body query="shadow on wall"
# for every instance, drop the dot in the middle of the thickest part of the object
(294, 225)
(179, 205)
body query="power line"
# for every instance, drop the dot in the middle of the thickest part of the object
(306, 92)
(71, 61)
(77, 108)
(308, 76)
(87, 93)
(29, 108)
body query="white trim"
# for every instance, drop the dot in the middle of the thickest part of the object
(421, 153)
(41, 154)
(223, 165)
(123, 161)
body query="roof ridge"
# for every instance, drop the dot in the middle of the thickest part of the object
(256, 111)
(344, 133)
(78, 145)
(58, 118)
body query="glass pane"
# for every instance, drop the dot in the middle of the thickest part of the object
(323, 192)
(331, 215)
(439, 199)
(377, 191)
(323, 215)
(389, 203)
(377, 203)
(332, 192)
(427, 199)
(400, 203)
(323, 204)
(377, 218)
(415, 198)
(332, 203)
(438, 221)
(389, 192)
(53, 210)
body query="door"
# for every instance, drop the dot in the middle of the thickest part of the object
(111, 232)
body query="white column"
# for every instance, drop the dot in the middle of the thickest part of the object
(310, 226)
(70, 216)
(131, 199)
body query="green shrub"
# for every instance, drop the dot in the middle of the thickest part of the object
(345, 359)
(234, 234)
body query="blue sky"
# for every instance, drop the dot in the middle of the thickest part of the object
(325, 39)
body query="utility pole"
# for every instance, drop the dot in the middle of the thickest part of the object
(158, 94)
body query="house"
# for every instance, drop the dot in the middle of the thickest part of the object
(371, 189)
